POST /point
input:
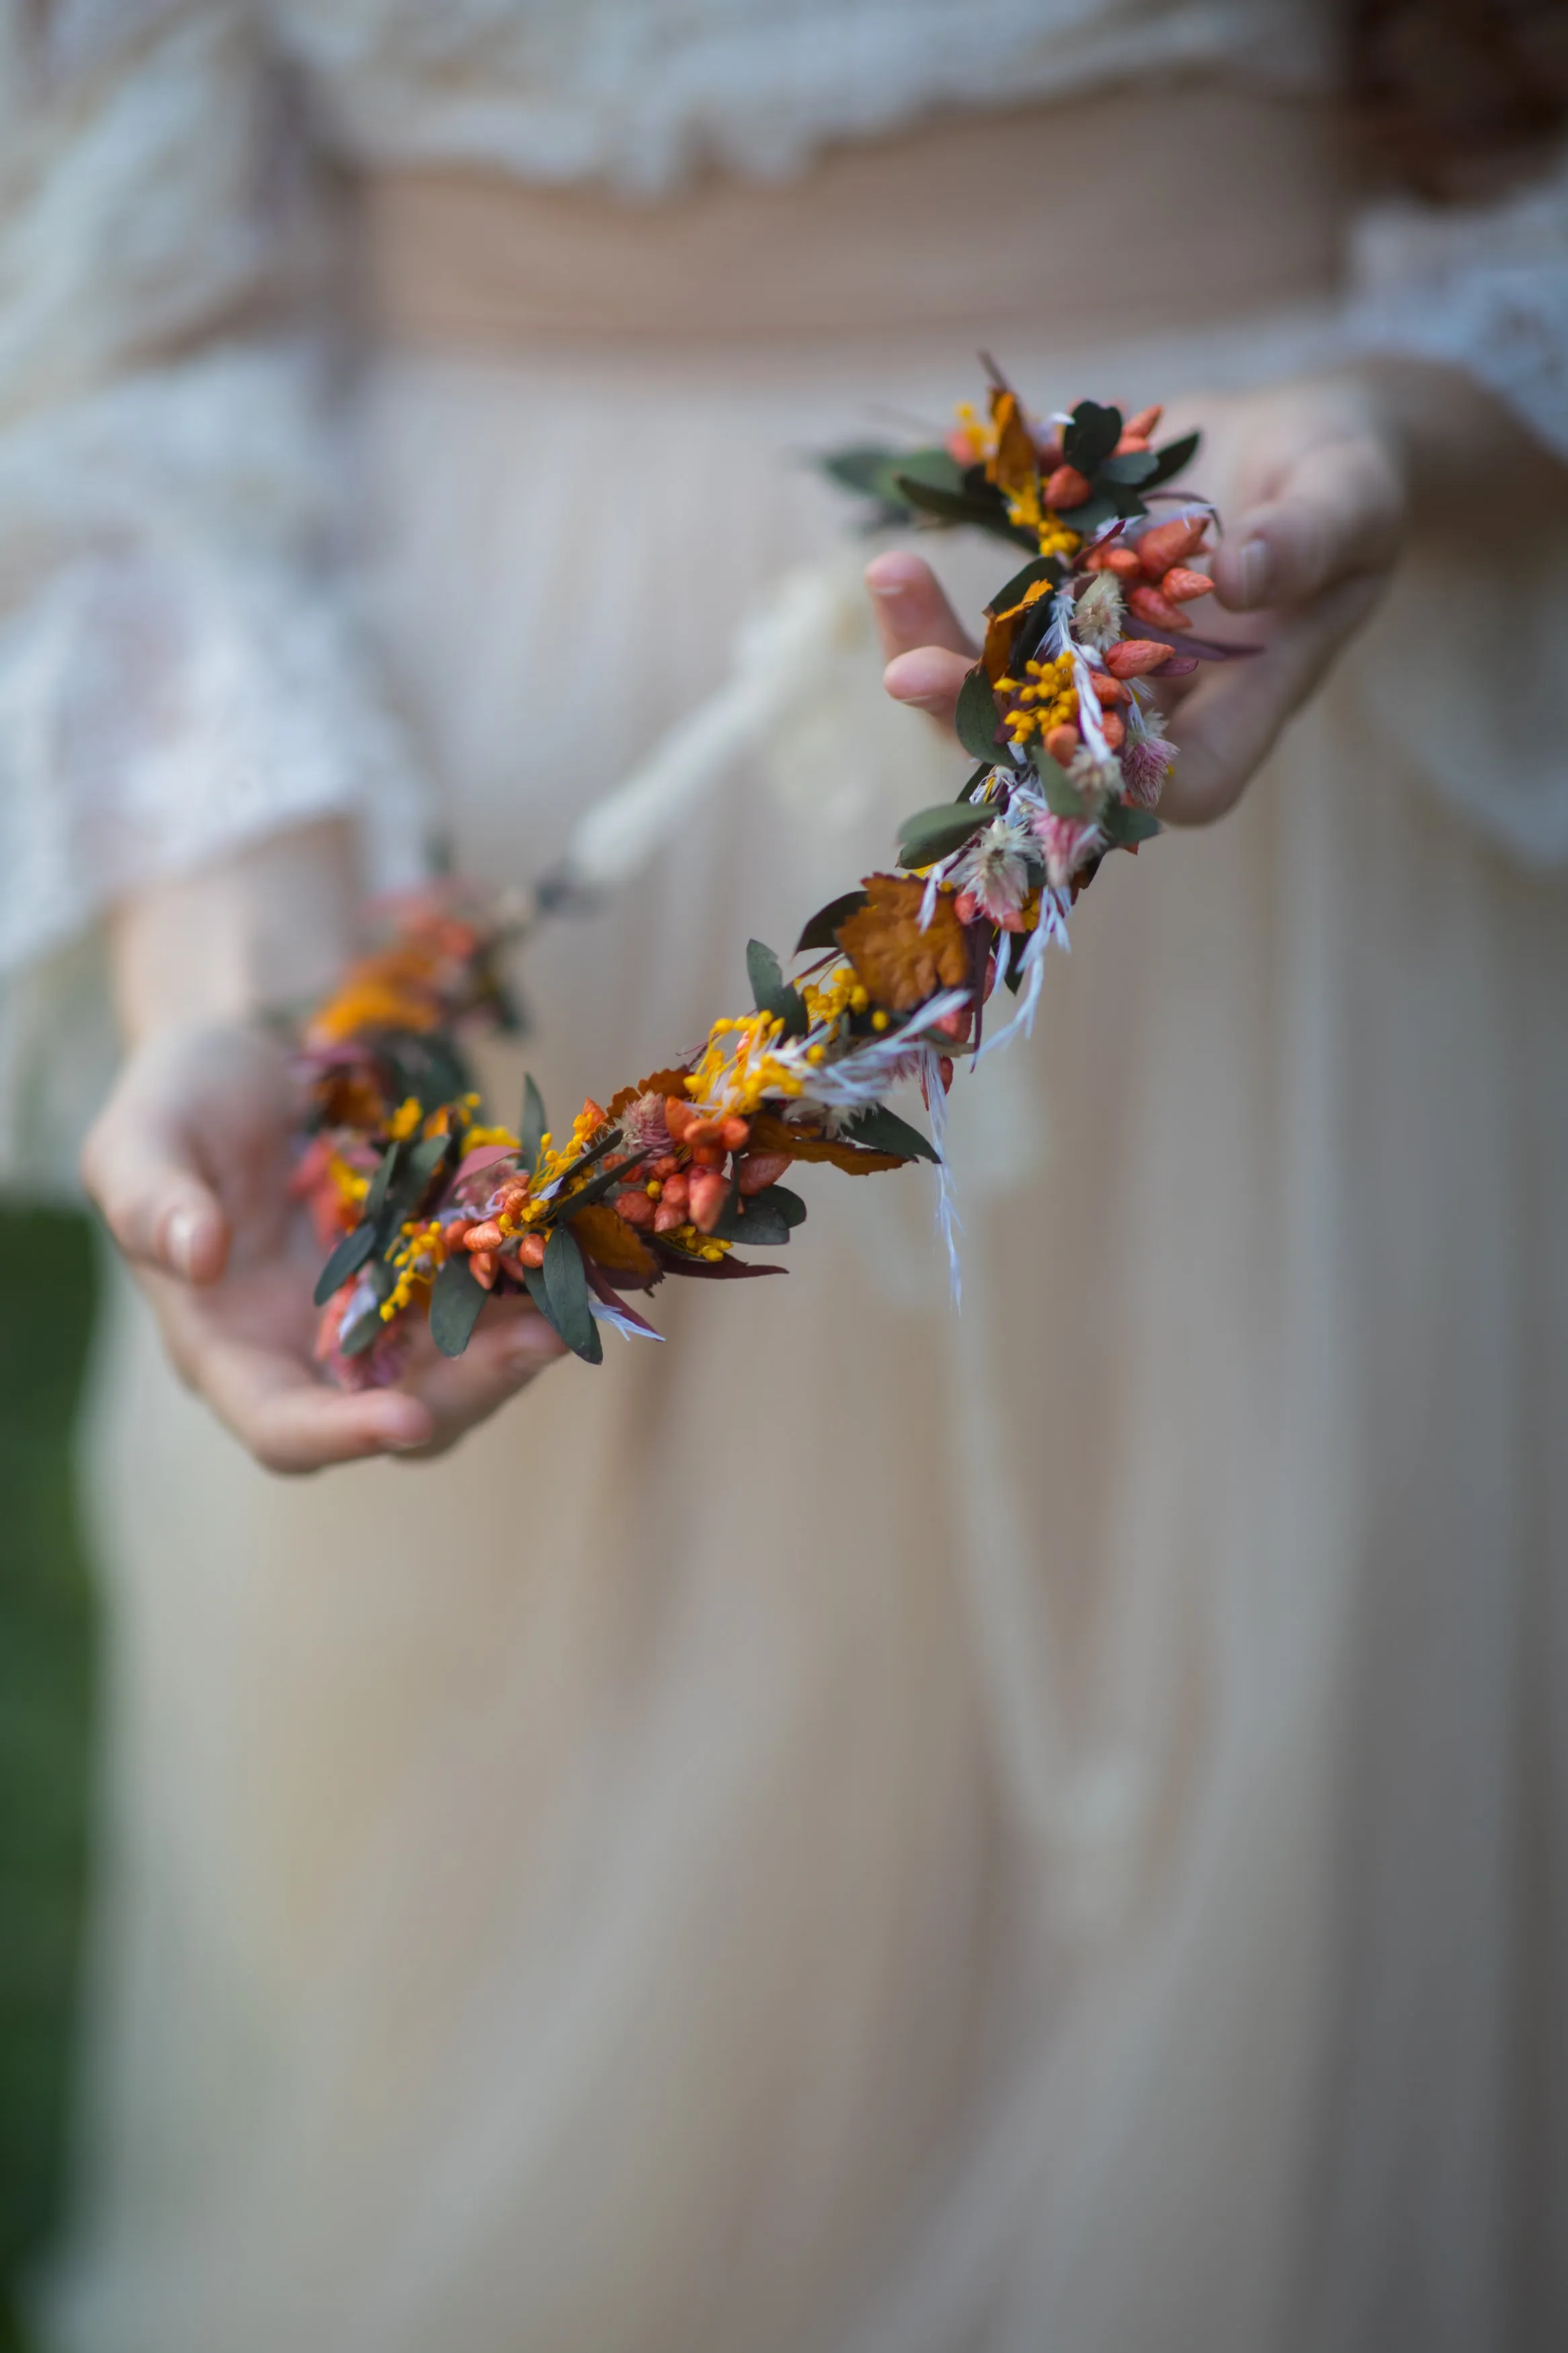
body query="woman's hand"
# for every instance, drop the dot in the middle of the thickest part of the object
(1314, 485)
(189, 1161)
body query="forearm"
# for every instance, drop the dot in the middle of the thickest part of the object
(262, 930)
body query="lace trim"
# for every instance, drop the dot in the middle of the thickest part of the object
(1485, 291)
(642, 95)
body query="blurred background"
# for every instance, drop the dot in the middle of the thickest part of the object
(48, 1690)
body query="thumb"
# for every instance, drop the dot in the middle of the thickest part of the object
(157, 1205)
(911, 608)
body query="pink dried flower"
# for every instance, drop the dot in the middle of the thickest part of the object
(1146, 763)
(644, 1128)
(379, 1364)
(1069, 843)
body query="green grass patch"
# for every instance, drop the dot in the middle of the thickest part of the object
(48, 1689)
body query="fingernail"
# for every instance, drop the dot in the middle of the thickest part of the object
(403, 1439)
(1255, 563)
(180, 1240)
(890, 591)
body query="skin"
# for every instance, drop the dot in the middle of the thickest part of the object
(1320, 483)
(189, 1164)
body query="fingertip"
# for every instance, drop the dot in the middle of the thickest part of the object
(927, 677)
(1245, 572)
(192, 1239)
(402, 1422)
(897, 574)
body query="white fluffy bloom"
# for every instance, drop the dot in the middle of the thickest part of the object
(994, 873)
(1099, 615)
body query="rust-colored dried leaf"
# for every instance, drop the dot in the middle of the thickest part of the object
(898, 965)
(1016, 465)
(1002, 628)
(612, 1243)
(658, 1083)
(802, 1143)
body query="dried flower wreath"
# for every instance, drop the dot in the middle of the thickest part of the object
(424, 1204)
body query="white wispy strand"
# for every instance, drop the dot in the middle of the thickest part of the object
(949, 1224)
(1051, 927)
(1060, 640)
(929, 894)
(1058, 637)
(630, 1327)
(1088, 704)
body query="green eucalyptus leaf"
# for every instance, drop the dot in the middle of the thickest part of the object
(538, 1291)
(764, 972)
(347, 1259)
(822, 931)
(1134, 466)
(1099, 508)
(757, 1221)
(934, 468)
(586, 1159)
(405, 1194)
(391, 1161)
(772, 993)
(534, 1125)
(933, 833)
(566, 1286)
(789, 1205)
(860, 467)
(361, 1334)
(986, 513)
(1061, 796)
(445, 1076)
(1044, 567)
(976, 717)
(886, 1131)
(425, 1159)
(608, 1180)
(1126, 826)
(1171, 459)
(456, 1299)
(1092, 436)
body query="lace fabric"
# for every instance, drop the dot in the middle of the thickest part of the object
(1484, 289)
(641, 97)
(174, 679)
(180, 665)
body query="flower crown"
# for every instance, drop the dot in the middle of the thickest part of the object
(428, 1208)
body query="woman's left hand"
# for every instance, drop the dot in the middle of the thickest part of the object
(1312, 483)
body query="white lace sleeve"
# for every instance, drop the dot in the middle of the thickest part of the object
(1484, 288)
(179, 669)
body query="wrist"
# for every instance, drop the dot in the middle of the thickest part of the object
(258, 932)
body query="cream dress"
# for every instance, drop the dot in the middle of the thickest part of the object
(860, 1830)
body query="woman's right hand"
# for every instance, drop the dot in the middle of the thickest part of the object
(189, 1161)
